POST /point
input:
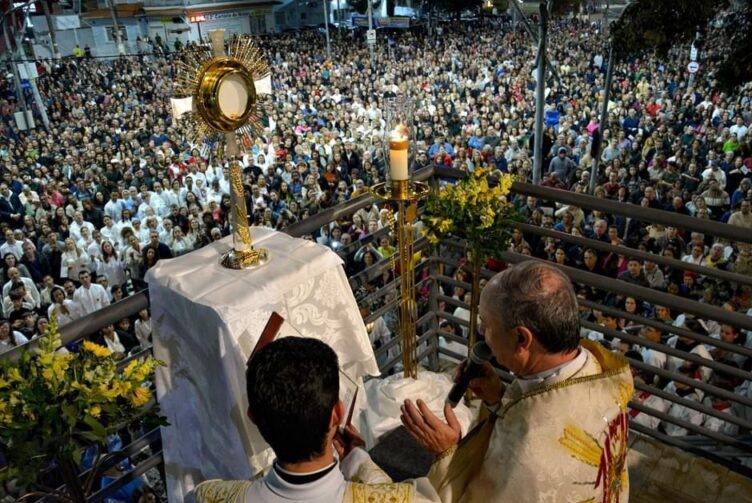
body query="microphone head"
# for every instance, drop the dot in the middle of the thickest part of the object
(481, 353)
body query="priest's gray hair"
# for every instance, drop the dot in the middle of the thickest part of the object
(538, 296)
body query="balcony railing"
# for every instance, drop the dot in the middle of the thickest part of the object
(436, 268)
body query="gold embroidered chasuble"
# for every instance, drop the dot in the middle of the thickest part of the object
(564, 441)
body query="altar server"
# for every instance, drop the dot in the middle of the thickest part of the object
(293, 398)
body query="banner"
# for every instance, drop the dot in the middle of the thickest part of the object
(362, 21)
(400, 22)
(67, 22)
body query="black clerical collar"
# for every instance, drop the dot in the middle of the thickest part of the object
(304, 478)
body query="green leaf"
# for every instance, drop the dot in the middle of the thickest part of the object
(96, 427)
(90, 436)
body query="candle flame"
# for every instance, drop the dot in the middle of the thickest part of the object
(399, 132)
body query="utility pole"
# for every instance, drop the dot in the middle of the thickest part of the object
(31, 73)
(540, 95)
(326, 29)
(116, 29)
(530, 31)
(16, 77)
(604, 118)
(51, 29)
(370, 28)
(694, 56)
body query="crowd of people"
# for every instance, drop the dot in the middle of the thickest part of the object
(115, 184)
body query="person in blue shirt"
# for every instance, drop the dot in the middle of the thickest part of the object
(438, 142)
(476, 141)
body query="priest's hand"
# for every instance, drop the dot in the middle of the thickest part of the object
(429, 431)
(346, 440)
(487, 386)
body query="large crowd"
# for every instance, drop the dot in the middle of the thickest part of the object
(115, 184)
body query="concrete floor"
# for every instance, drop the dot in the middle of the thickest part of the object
(660, 473)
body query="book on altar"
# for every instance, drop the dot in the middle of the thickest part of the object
(276, 328)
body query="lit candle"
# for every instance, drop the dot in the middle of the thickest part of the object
(398, 143)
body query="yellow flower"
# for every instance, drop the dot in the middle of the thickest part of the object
(140, 396)
(128, 370)
(95, 411)
(144, 370)
(121, 389)
(445, 225)
(96, 349)
(14, 375)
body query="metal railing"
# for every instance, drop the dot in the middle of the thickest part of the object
(434, 272)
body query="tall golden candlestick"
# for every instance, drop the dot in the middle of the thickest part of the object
(404, 193)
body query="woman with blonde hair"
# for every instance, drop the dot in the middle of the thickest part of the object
(73, 260)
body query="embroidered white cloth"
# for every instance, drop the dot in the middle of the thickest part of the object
(206, 322)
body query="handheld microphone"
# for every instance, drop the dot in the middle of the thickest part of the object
(480, 354)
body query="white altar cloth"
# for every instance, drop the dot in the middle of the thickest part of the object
(207, 320)
(385, 396)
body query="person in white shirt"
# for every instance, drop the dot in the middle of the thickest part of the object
(111, 266)
(65, 309)
(73, 260)
(86, 239)
(90, 296)
(142, 328)
(680, 411)
(11, 245)
(112, 341)
(77, 224)
(114, 207)
(739, 129)
(301, 425)
(717, 174)
(691, 346)
(32, 294)
(161, 200)
(651, 356)
(10, 338)
(721, 405)
(110, 231)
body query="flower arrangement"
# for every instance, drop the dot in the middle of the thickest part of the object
(477, 211)
(473, 210)
(56, 404)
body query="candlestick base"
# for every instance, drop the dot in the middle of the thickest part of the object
(400, 190)
(234, 259)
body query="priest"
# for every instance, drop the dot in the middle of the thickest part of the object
(558, 432)
(293, 398)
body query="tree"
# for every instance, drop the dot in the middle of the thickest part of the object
(662, 24)
(361, 6)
